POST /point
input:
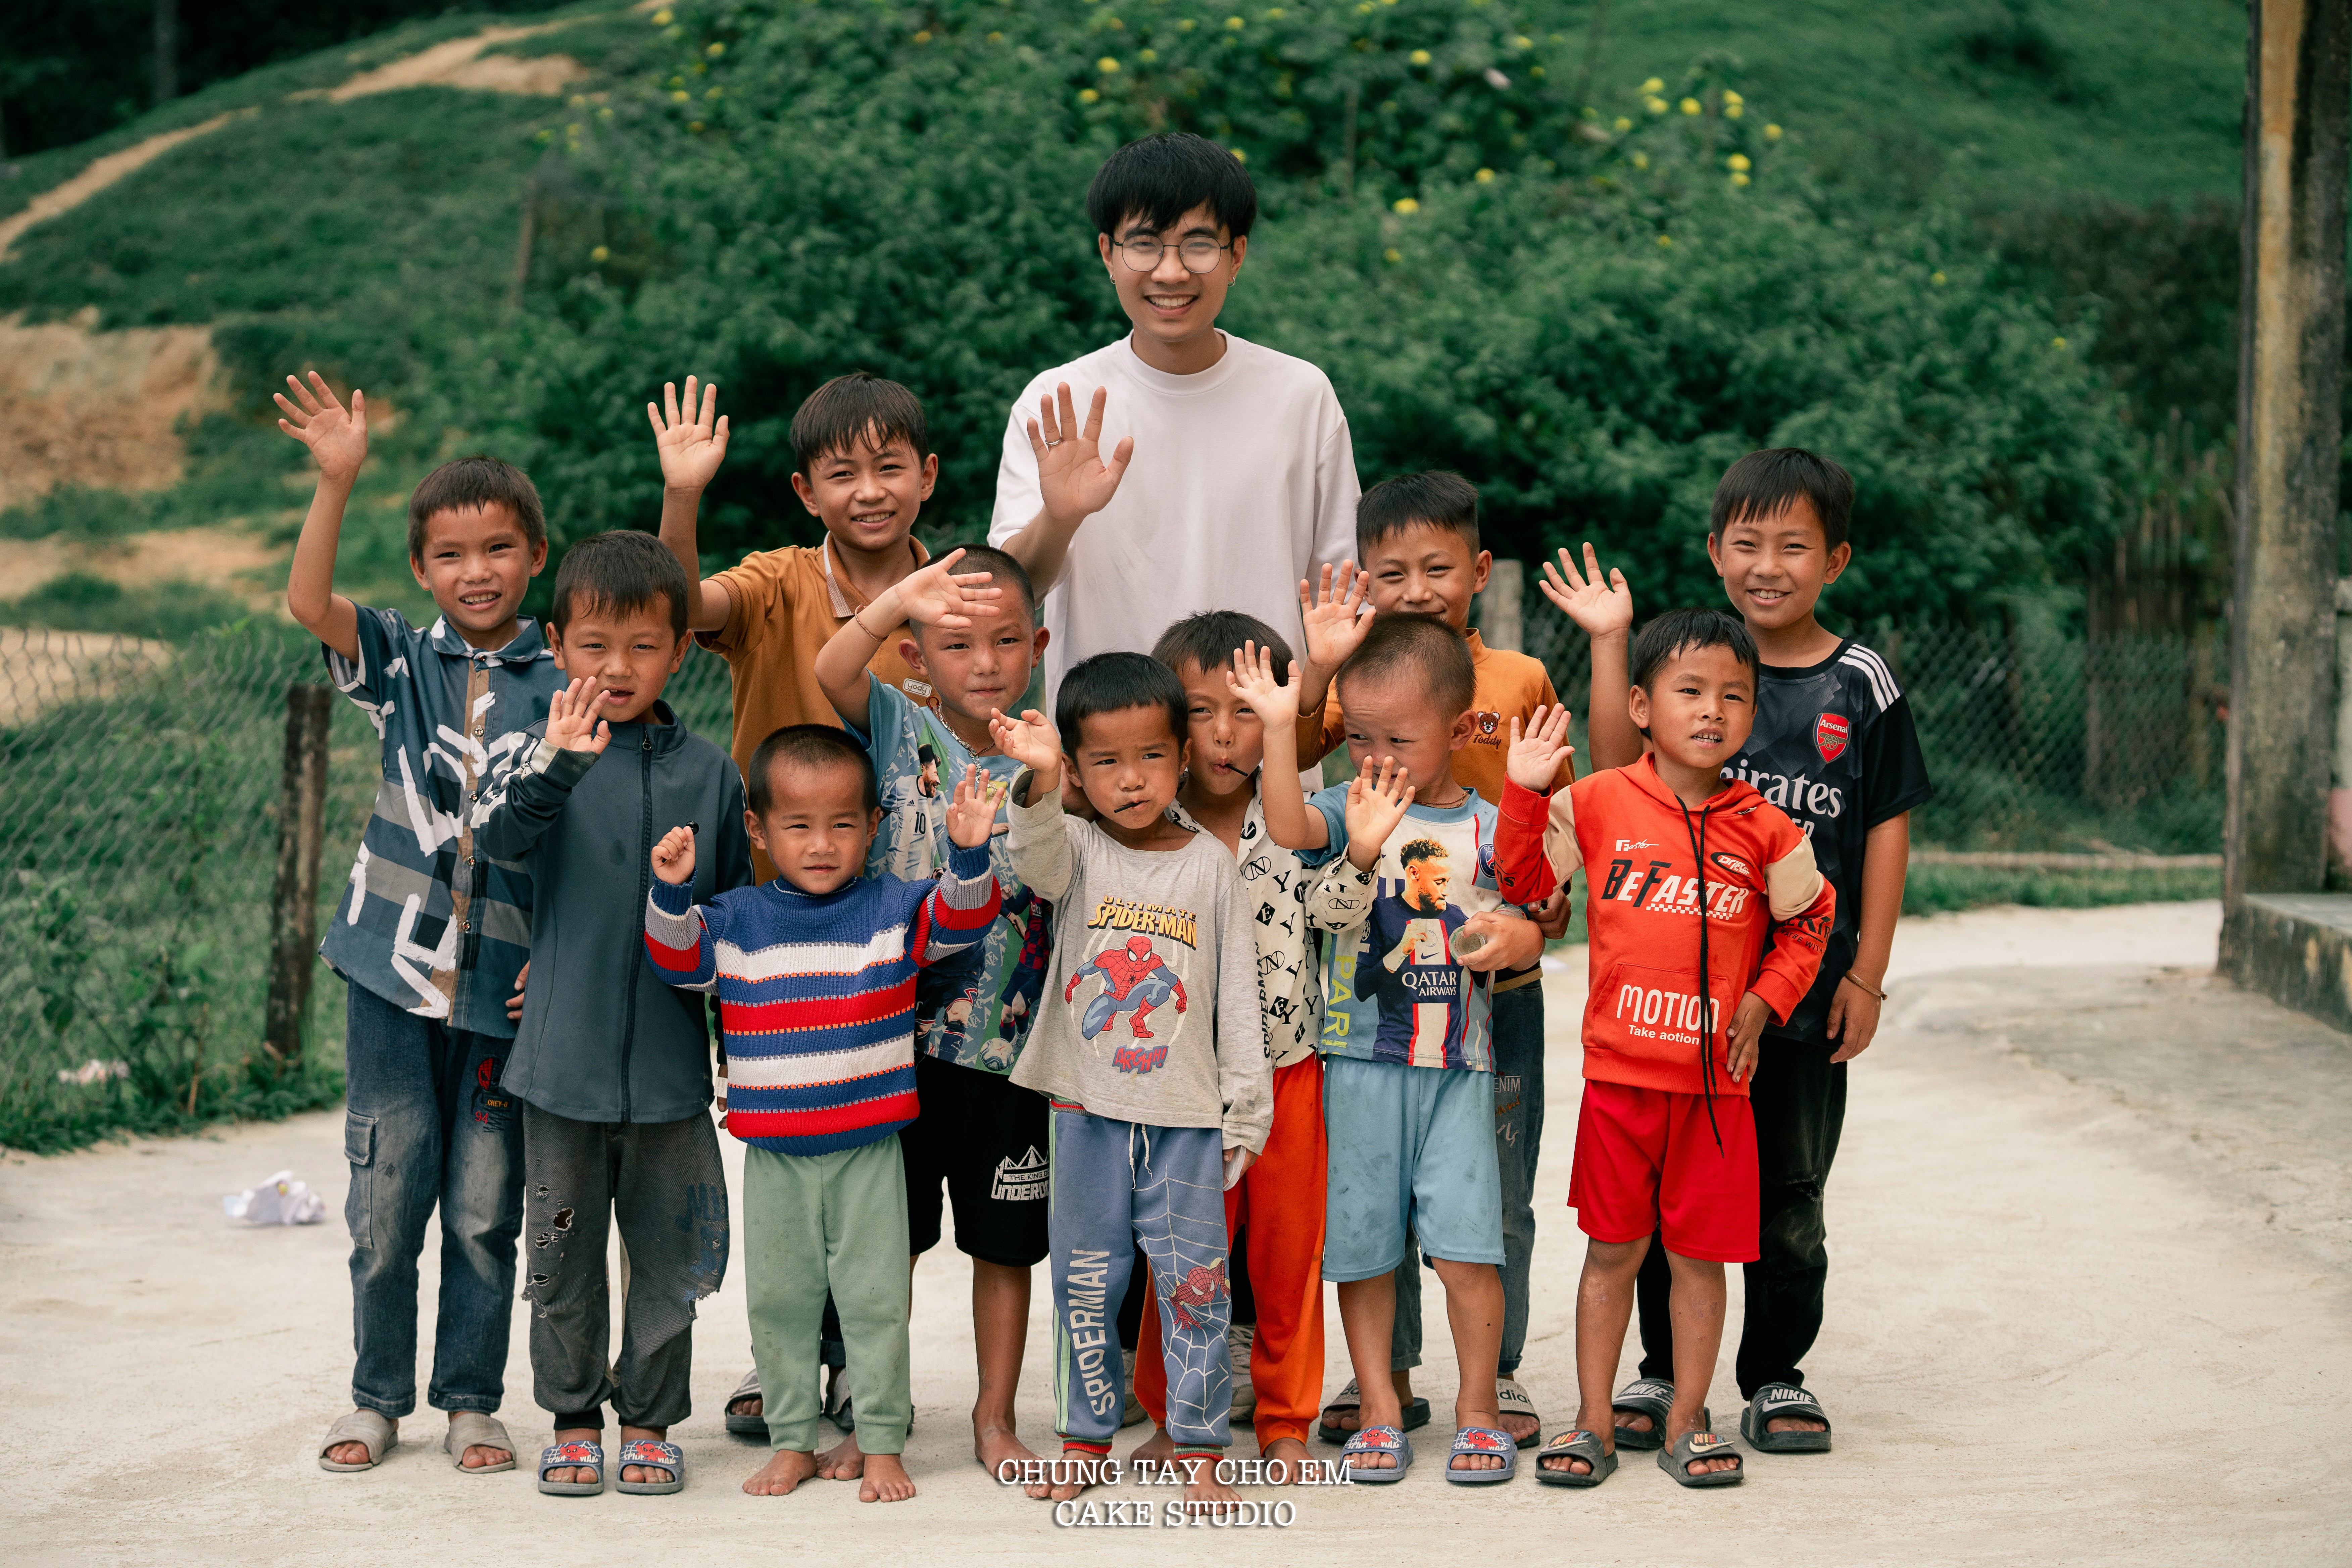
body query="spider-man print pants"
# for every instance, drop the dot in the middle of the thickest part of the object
(1117, 1185)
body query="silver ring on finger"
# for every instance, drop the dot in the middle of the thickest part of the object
(1056, 442)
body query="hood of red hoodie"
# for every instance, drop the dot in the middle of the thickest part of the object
(1736, 794)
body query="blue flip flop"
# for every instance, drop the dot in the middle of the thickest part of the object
(1380, 1440)
(652, 1454)
(1486, 1440)
(570, 1456)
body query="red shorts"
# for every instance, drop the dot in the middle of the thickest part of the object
(1646, 1163)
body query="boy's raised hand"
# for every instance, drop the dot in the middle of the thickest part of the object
(572, 721)
(674, 857)
(1601, 608)
(1376, 804)
(692, 446)
(1073, 478)
(1533, 761)
(1253, 680)
(972, 815)
(1744, 1043)
(938, 595)
(336, 435)
(1335, 620)
(1031, 741)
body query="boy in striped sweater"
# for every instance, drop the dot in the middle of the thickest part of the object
(816, 977)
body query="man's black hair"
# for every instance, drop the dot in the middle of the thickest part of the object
(1161, 178)
(854, 409)
(1419, 649)
(463, 484)
(1111, 681)
(1671, 633)
(1762, 483)
(1420, 849)
(1003, 571)
(1211, 638)
(806, 746)
(1433, 499)
(620, 572)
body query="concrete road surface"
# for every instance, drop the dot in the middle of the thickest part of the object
(2088, 1304)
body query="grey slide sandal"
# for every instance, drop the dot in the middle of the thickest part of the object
(1650, 1397)
(371, 1428)
(474, 1429)
(1778, 1399)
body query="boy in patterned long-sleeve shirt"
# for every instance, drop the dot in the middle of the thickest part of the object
(814, 974)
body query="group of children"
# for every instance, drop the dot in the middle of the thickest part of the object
(1143, 1002)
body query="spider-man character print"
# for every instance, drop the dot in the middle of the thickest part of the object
(1135, 980)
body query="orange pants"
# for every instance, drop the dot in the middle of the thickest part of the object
(1277, 1209)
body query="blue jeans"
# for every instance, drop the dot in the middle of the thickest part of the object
(428, 1124)
(1518, 1026)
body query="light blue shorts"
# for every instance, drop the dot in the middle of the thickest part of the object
(1412, 1151)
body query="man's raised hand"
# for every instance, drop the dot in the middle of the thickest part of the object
(1601, 608)
(336, 435)
(1074, 479)
(1533, 761)
(572, 721)
(938, 595)
(1253, 680)
(972, 815)
(1030, 740)
(692, 446)
(1334, 614)
(674, 857)
(1376, 804)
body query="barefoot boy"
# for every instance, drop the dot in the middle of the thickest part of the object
(1712, 926)
(1158, 1075)
(432, 937)
(820, 1053)
(613, 1066)
(1420, 927)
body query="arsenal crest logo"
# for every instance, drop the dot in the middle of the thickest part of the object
(1830, 731)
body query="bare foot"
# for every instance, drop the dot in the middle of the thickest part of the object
(785, 1468)
(1585, 1419)
(1289, 1453)
(1073, 1465)
(886, 1481)
(1159, 1448)
(586, 1475)
(1351, 1420)
(1679, 1426)
(751, 1405)
(356, 1453)
(654, 1473)
(473, 1458)
(1777, 1423)
(1477, 1461)
(842, 1462)
(1629, 1421)
(1520, 1427)
(1204, 1488)
(996, 1446)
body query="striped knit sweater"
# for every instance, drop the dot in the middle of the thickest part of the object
(816, 995)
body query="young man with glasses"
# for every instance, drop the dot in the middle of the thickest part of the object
(1243, 478)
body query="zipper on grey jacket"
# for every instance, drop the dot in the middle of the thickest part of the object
(635, 960)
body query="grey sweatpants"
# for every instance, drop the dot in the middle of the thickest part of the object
(664, 1185)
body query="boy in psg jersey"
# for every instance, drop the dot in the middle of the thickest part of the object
(1833, 746)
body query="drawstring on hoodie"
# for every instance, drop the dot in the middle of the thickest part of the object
(1705, 999)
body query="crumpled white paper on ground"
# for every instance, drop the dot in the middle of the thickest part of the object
(281, 1200)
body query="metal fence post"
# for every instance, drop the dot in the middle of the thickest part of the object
(301, 824)
(1500, 622)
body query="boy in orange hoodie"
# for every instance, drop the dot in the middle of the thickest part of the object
(1690, 877)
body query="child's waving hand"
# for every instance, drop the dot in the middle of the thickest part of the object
(336, 435)
(1375, 806)
(972, 815)
(1335, 620)
(1031, 741)
(938, 595)
(1601, 608)
(692, 446)
(572, 721)
(674, 857)
(1253, 680)
(1743, 1042)
(1533, 761)
(1073, 478)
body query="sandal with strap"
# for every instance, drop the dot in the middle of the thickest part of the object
(1378, 1440)
(477, 1429)
(1416, 1413)
(1773, 1401)
(1650, 1397)
(372, 1429)
(1585, 1446)
(747, 1425)
(1511, 1399)
(572, 1455)
(1490, 1441)
(652, 1454)
(1696, 1448)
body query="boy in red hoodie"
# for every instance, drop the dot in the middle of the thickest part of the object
(1690, 876)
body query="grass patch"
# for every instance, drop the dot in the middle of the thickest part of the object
(171, 611)
(1937, 889)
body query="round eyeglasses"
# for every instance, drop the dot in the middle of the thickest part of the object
(1198, 252)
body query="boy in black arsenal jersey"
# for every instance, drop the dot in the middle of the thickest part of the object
(1835, 747)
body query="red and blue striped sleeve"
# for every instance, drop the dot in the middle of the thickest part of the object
(679, 941)
(958, 910)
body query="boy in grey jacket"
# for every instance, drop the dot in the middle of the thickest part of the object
(1157, 1075)
(612, 1064)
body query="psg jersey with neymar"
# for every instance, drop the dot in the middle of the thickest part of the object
(1835, 747)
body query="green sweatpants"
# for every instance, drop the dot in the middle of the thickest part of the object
(817, 1221)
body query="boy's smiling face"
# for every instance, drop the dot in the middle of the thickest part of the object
(979, 668)
(476, 562)
(1774, 568)
(1392, 717)
(1698, 710)
(1427, 570)
(1128, 761)
(636, 653)
(817, 828)
(1172, 304)
(867, 497)
(1226, 736)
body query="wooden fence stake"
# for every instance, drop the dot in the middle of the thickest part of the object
(302, 825)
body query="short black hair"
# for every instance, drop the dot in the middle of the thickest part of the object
(1423, 649)
(1420, 849)
(1004, 571)
(463, 484)
(1434, 500)
(1211, 638)
(1762, 483)
(1110, 681)
(1671, 633)
(858, 407)
(622, 571)
(806, 746)
(1161, 178)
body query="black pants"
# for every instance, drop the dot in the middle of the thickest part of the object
(1798, 1099)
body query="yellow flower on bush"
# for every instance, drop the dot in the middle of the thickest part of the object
(1239, 156)
(1732, 99)
(1654, 105)
(1665, 241)
(1937, 279)
(1405, 205)
(1738, 161)
(1233, 24)
(661, 18)
(1148, 56)
(1739, 180)
(600, 256)
(924, 36)
(1418, 57)
(1187, 25)
(995, 38)
(1485, 176)
(1106, 65)
(1689, 105)
(1640, 159)
(1653, 87)
(1536, 72)
(715, 50)
(1088, 95)
(1772, 133)
(1620, 124)
(1391, 256)
(1523, 43)
(1733, 110)
(679, 95)
(695, 126)
(2057, 342)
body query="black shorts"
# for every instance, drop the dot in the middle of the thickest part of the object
(984, 1136)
